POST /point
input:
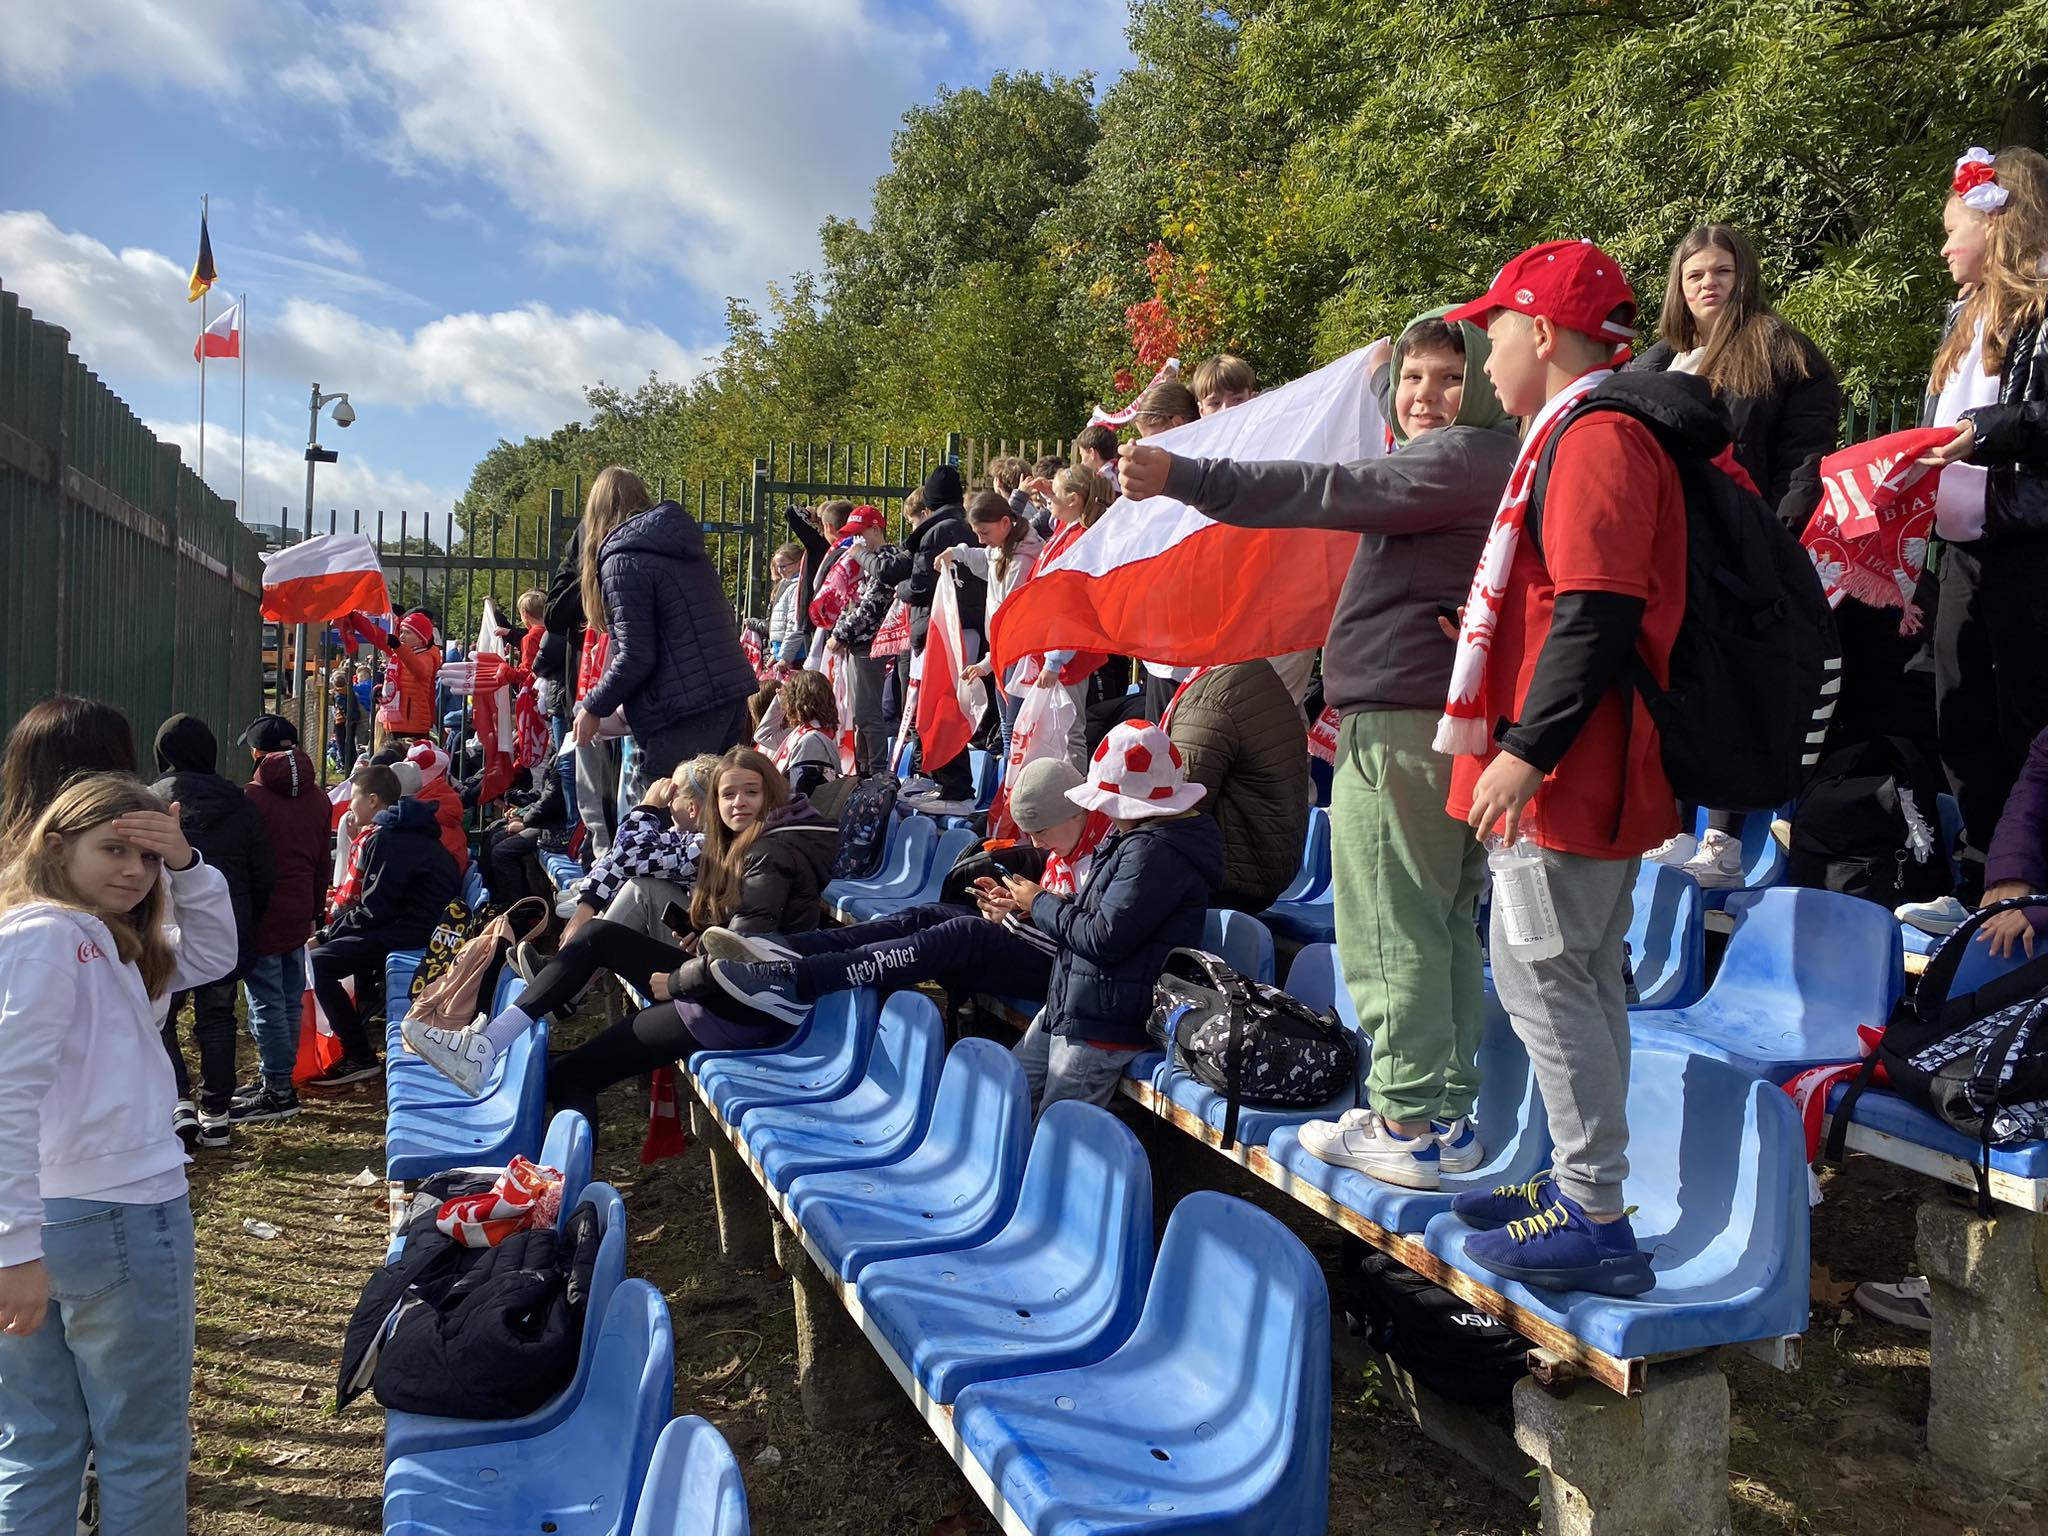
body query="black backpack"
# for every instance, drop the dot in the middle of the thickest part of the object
(1448, 1345)
(1252, 1043)
(864, 827)
(1978, 1062)
(1868, 825)
(1756, 668)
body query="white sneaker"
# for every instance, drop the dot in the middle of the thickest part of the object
(745, 948)
(1718, 864)
(1676, 851)
(1939, 916)
(1457, 1145)
(1908, 1304)
(462, 1056)
(1362, 1141)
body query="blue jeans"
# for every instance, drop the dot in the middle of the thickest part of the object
(111, 1367)
(277, 992)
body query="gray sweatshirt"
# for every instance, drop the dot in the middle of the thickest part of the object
(1423, 511)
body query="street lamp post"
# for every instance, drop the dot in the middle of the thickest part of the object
(344, 416)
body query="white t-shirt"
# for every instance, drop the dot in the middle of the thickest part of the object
(1959, 499)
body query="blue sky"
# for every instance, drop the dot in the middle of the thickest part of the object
(460, 211)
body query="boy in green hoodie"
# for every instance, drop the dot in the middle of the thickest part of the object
(1407, 876)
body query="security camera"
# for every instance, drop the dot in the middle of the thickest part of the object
(344, 413)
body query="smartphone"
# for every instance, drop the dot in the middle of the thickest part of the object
(676, 917)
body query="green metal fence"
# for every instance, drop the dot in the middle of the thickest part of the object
(122, 577)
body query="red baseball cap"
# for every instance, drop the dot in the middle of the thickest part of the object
(1572, 282)
(864, 517)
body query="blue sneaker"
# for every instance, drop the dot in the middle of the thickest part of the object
(1457, 1145)
(1561, 1248)
(768, 987)
(1496, 1207)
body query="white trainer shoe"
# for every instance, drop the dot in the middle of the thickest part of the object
(462, 1056)
(1677, 851)
(745, 948)
(1718, 864)
(1938, 916)
(1362, 1141)
(1457, 1145)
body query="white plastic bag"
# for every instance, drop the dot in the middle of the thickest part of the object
(1044, 721)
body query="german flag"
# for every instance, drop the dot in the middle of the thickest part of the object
(203, 274)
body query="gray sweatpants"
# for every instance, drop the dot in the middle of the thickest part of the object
(1056, 1068)
(1571, 1013)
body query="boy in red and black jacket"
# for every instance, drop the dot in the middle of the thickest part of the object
(1555, 745)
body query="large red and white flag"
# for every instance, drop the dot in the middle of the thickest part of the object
(323, 578)
(223, 338)
(946, 715)
(1158, 579)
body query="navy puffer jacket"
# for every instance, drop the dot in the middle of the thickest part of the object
(675, 648)
(1148, 893)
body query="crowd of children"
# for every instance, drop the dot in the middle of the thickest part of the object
(1521, 567)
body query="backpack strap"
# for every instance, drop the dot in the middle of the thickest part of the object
(1932, 996)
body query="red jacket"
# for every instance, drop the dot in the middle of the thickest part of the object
(409, 677)
(287, 795)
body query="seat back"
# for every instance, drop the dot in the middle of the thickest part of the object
(910, 1045)
(1243, 943)
(693, 1485)
(1243, 1308)
(1087, 1193)
(988, 776)
(1813, 958)
(1667, 938)
(474, 895)
(568, 1150)
(1313, 878)
(632, 1391)
(946, 852)
(908, 857)
(981, 1121)
(1763, 857)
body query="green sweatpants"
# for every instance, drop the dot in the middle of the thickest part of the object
(1408, 880)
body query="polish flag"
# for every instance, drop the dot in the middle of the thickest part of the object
(324, 578)
(946, 715)
(223, 338)
(1158, 579)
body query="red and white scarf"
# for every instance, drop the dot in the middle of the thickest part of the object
(1464, 728)
(1066, 873)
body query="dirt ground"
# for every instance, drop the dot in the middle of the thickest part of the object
(1832, 1448)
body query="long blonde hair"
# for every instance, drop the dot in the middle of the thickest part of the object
(615, 495)
(1092, 486)
(717, 895)
(37, 872)
(2014, 289)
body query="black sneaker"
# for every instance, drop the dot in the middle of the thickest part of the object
(213, 1128)
(347, 1070)
(185, 1123)
(769, 987)
(268, 1104)
(247, 1091)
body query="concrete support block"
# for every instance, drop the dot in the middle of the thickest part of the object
(744, 1218)
(1654, 1465)
(840, 1379)
(1486, 1443)
(1987, 1412)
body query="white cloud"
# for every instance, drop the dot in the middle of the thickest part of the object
(522, 369)
(197, 45)
(277, 478)
(1068, 36)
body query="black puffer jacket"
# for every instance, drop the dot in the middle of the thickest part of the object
(1780, 438)
(1148, 892)
(2012, 440)
(219, 821)
(675, 642)
(946, 528)
(1245, 741)
(786, 871)
(408, 879)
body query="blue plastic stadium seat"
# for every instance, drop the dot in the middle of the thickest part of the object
(1306, 911)
(1509, 1120)
(1241, 941)
(905, 858)
(427, 1138)
(1667, 938)
(1763, 856)
(1717, 1173)
(825, 1060)
(1802, 970)
(409, 1083)
(568, 1150)
(412, 1434)
(1880, 1110)
(562, 871)
(1316, 980)
(987, 768)
(693, 1485)
(954, 1189)
(946, 851)
(1314, 877)
(1213, 1416)
(400, 966)
(877, 1121)
(1059, 1286)
(581, 1477)
(473, 893)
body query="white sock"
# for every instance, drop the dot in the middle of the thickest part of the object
(507, 1027)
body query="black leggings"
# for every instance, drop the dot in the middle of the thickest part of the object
(598, 946)
(654, 1037)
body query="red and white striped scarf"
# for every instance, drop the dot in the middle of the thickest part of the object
(1065, 873)
(1463, 730)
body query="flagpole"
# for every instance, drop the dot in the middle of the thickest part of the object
(242, 491)
(202, 356)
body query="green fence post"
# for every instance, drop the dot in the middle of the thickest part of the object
(757, 525)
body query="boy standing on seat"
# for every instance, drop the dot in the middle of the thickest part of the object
(1553, 743)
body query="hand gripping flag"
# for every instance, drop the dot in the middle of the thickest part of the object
(1868, 538)
(323, 578)
(1158, 579)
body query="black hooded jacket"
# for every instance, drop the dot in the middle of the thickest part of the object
(408, 879)
(218, 820)
(946, 528)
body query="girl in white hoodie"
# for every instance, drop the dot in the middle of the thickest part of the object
(96, 1252)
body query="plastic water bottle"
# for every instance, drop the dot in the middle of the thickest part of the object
(1521, 895)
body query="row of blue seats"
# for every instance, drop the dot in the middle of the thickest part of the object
(1011, 1275)
(600, 1458)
